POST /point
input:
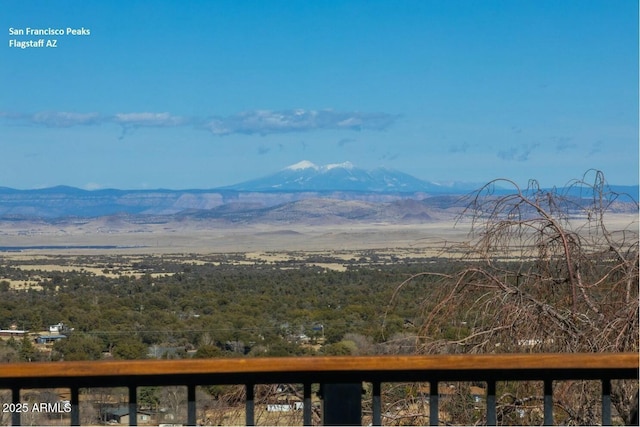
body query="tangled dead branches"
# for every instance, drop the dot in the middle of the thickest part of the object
(544, 271)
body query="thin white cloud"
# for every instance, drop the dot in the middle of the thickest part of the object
(55, 119)
(149, 120)
(132, 121)
(264, 122)
(258, 122)
(63, 119)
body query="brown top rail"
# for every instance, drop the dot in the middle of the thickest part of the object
(337, 364)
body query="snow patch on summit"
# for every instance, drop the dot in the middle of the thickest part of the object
(344, 165)
(305, 164)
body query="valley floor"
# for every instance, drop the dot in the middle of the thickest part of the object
(172, 238)
(101, 237)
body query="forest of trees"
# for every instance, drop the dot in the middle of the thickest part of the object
(199, 306)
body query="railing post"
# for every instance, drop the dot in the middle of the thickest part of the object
(548, 402)
(606, 402)
(75, 406)
(133, 405)
(249, 406)
(15, 398)
(191, 405)
(376, 403)
(306, 406)
(491, 403)
(433, 403)
(342, 404)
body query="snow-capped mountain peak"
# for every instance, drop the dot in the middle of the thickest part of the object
(345, 176)
(305, 164)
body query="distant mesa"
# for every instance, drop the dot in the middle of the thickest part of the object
(270, 198)
(302, 192)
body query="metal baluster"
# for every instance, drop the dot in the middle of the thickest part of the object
(15, 399)
(491, 403)
(307, 408)
(191, 405)
(342, 404)
(75, 406)
(249, 406)
(606, 402)
(548, 402)
(376, 403)
(133, 405)
(433, 403)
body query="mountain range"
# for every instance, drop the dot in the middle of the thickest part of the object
(300, 192)
(306, 176)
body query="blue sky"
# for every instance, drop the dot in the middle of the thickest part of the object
(200, 94)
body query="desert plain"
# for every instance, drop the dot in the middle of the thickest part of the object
(63, 247)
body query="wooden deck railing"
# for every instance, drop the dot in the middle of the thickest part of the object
(325, 371)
